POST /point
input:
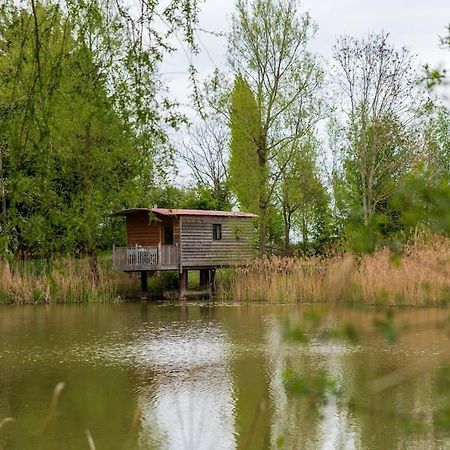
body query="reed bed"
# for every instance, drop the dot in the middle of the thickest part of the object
(63, 280)
(420, 277)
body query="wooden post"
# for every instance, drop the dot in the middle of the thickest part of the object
(212, 279)
(144, 285)
(204, 278)
(183, 282)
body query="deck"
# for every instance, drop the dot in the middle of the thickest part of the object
(138, 258)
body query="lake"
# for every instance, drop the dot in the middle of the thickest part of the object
(209, 376)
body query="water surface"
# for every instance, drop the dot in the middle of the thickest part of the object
(205, 376)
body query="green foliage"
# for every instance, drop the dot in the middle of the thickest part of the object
(387, 326)
(303, 197)
(247, 175)
(277, 103)
(378, 143)
(424, 201)
(200, 197)
(83, 128)
(68, 158)
(316, 387)
(163, 281)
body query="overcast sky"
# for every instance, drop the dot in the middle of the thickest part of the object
(415, 24)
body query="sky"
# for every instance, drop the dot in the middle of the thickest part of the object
(415, 24)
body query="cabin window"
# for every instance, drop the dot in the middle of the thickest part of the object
(217, 231)
(168, 233)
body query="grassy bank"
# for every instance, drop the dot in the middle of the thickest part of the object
(63, 280)
(420, 277)
(71, 280)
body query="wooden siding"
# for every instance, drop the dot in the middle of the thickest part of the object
(141, 232)
(199, 249)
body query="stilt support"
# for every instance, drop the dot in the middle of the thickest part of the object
(204, 278)
(212, 280)
(183, 282)
(144, 285)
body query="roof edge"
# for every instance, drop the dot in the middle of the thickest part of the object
(182, 212)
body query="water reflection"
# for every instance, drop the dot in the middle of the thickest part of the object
(300, 425)
(211, 377)
(189, 402)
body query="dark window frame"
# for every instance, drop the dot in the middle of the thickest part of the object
(217, 232)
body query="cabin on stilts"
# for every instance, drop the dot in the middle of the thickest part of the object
(183, 239)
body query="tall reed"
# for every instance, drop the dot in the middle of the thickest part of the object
(420, 277)
(62, 280)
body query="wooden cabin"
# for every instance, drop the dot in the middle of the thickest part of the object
(183, 240)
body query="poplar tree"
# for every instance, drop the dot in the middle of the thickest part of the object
(248, 170)
(268, 48)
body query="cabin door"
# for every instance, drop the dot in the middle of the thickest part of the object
(168, 234)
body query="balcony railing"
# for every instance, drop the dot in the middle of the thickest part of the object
(138, 257)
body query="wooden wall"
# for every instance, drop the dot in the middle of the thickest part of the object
(141, 232)
(198, 248)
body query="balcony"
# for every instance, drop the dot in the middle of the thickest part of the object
(138, 258)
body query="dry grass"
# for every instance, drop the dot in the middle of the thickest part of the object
(421, 277)
(62, 280)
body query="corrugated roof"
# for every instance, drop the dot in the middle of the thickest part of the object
(183, 212)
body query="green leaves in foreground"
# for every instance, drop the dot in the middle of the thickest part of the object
(388, 328)
(312, 326)
(316, 387)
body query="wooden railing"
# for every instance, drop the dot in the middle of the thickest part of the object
(140, 257)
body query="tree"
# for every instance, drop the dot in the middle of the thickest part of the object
(268, 51)
(247, 169)
(205, 152)
(302, 196)
(84, 127)
(68, 156)
(437, 138)
(381, 105)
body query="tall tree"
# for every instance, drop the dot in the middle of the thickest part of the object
(248, 170)
(84, 127)
(381, 104)
(268, 49)
(67, 150)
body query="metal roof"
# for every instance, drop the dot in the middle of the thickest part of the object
(183, 212)
(129, 211)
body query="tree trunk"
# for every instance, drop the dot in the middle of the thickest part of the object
(2, 185)
(262, 230)
(287, 231)
(263, 201)
(305, 237)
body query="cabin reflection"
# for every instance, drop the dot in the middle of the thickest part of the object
(188, 401)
